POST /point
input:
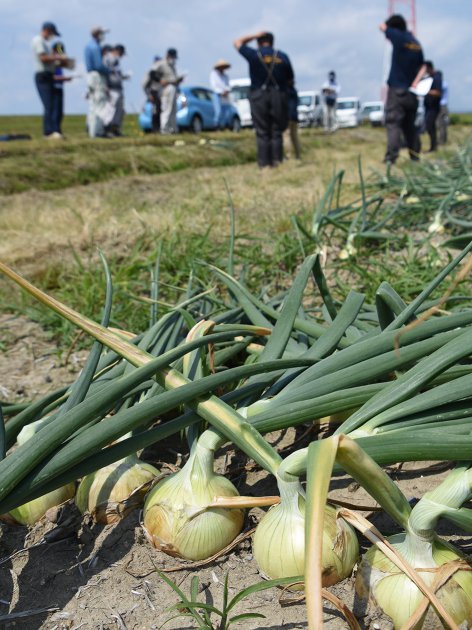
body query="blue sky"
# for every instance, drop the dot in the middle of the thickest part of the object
(318, 36)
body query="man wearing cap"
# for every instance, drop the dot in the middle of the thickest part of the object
(219, 83)
(97, 76)
(271, 75)
(165, 73)
(45, 64)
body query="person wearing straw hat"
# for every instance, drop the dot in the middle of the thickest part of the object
(219, 83)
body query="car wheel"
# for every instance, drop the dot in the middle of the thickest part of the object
(236, 125)
(196, 125)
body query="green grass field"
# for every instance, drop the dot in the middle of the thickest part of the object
(139, 195)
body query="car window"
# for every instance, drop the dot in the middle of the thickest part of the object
(372, 108)
(240, 92)
(201, 94)
(347, 105)
(305, 100)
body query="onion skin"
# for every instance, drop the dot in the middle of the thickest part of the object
(279, 543)
(176, 518)
(384, 586)
(112, 492)
(31, 512)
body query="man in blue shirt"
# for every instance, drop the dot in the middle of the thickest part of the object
(271, 76)
(97, 75)
(401, 106)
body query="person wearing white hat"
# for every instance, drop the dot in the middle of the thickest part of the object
(219, 83)
(97, 76)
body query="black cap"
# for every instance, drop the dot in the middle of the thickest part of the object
(172, 52)
(120, 48)
(50, 26)
(266, 37)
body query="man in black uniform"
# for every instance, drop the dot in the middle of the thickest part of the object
(271, 75)
(432, 103)
(401, 106)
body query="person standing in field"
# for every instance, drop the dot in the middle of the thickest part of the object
(432, 104)
(291, 138)
(165, 73)
(271, 76)
(46, 61)
(402, 104)
(330, 92)
(443, 118)
(115, 87)
(58, 85)
(219, 83)
(97, 77)
(152, 88)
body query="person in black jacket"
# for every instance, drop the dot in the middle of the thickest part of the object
(271, 76)
(401, 106)
(432, 104)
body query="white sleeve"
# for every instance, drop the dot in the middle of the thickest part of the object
(215, 82)
(39, 46)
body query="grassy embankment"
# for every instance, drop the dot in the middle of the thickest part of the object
(132, 196)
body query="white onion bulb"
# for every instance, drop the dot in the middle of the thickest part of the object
(110, 493)
(176, 516)
(279, 541)
(31, 512)
(383, 585)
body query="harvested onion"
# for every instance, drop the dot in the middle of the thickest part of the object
(279, 541)
(176, 516)
(110, 493)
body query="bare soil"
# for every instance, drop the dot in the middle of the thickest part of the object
(69, 573)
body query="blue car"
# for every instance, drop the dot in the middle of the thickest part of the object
(195, 111)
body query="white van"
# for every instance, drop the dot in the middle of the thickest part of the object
(240, 97)
(348, 111)
(310, 111)
(373, 112)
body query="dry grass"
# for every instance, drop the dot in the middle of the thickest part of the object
(41, 224)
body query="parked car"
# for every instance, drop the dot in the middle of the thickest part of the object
(348, 111)
(195, 111)
(145, 117)
(310, 110)
(240, 97)
(373, 112)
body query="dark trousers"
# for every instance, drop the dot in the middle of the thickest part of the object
(57, 109)
(442, 123)
(269, 110)
(400, 114)
(430, 117)
(156, 110)
(45, 86)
